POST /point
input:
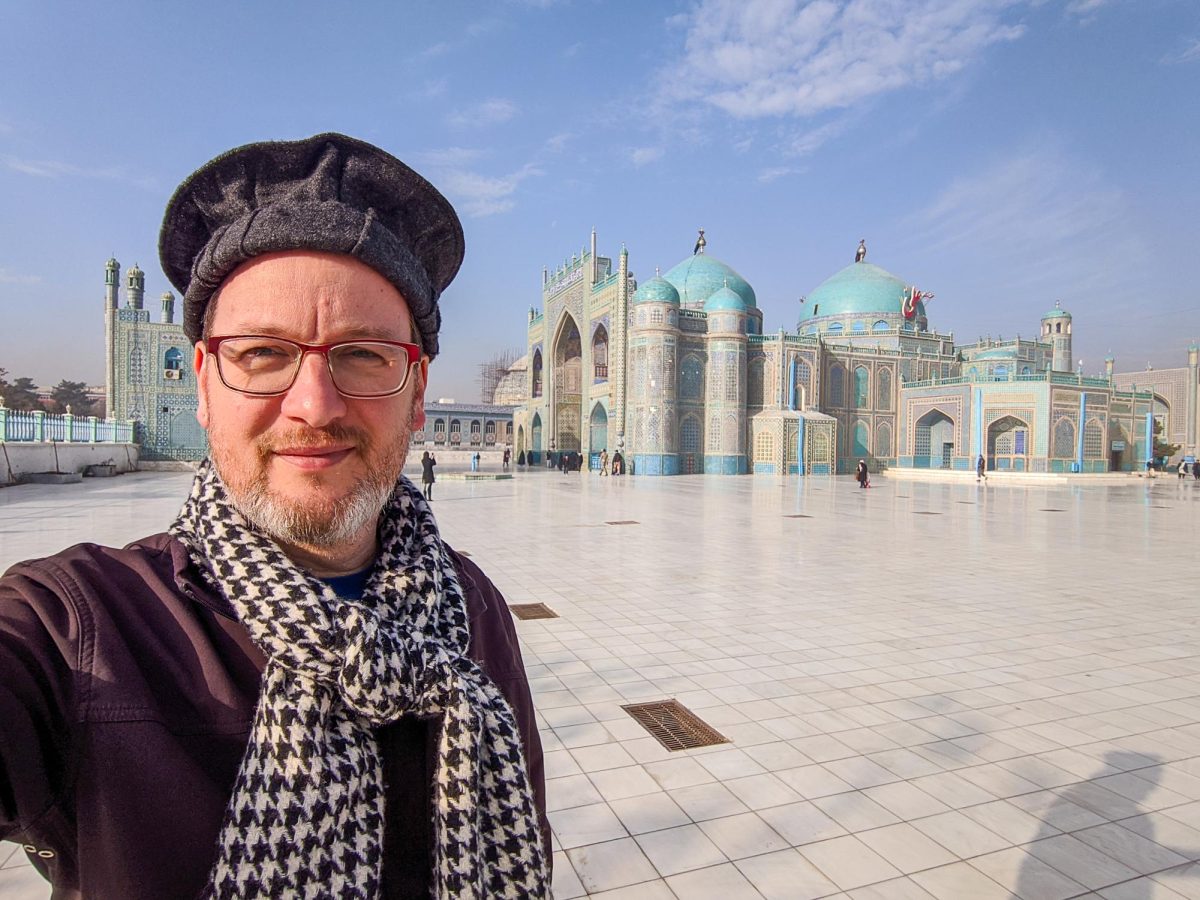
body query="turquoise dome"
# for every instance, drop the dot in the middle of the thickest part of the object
(725, 298)
(656, 290)
(1057, 313)
(861, 288)
(700, 276)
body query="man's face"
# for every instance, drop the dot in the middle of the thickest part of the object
(309, 466)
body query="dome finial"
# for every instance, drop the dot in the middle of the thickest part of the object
(701, 243)
(860, 255)
(657, 272)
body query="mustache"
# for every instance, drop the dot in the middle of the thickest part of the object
(314, 439)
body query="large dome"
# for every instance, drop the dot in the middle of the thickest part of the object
(700, 276)
(656, 290)
(861, 288)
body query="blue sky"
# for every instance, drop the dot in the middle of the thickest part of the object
(1003, 154)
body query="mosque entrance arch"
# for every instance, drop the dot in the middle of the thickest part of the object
(933, 447)
(568, 386)
(1008, 444)
(535, 440)
(520, 441)
(598, 430)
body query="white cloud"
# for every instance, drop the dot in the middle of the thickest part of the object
(1085, 7)
(46, 168)
(9, 277)
(1190, 53)
(449, 157)
(484, 195)
(556, 143)
(641, 156)
(766, 176)
(758, 58)
(1048, 220)
(490, 112)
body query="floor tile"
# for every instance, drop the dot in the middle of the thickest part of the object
(786, 875)
(848, 862)
(611, 864)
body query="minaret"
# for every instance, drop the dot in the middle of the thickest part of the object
(655, 351)
(618, 357)
(112, 284)
(168, 308)
(1193, 403)
(1056, 331)
(1109, 363)
(135, 287)
(595, 270)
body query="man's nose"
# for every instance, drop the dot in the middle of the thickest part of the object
(312, 398)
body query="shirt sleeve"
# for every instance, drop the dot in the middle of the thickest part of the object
(39, 653)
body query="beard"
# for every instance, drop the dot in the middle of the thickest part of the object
(321, 518)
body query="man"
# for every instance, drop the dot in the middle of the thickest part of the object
(300, 690)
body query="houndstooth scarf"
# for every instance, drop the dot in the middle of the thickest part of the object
(307, 813)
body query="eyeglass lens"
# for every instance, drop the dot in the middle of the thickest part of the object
(263, 365)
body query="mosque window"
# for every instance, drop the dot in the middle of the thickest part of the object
(731, 377)
(1064, 439)
(600, 352)
(1058, 327)
(861, 382)
(173, 360)
(535, 439)
(880, 325)
(803, 382)
(137, 365)
(837, 387)
(835, 328)
(537, 373)
(883, 392)
(1024, 370)
(1000, 373)
(714, 433)
(729, 433)
(691, 378)
(1093, 440)
(639, 371)
(689, 435)
(764, 447)
(859, 326)
(1019, 442)
(475, 431)
(883, 440)
(861, 443)
(656, 316)
(811, 329)
(455, 431)
(489, 433)
(972, 373)
(439, 431)
(754, 387)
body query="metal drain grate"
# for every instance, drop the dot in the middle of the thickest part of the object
(674, 725)
(624, 522)
(532, 611)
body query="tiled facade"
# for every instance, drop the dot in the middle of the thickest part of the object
(696, 386)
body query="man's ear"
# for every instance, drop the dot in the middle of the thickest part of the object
(418, 398)
(198, 364)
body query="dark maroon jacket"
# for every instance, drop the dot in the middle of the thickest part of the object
(127, 692)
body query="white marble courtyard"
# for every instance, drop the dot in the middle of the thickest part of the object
(929, 689)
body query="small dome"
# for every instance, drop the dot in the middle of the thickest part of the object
(861, 288)
(700, 276)
(112, 263)
(1057, 313)
(725, 298)
(656, 290)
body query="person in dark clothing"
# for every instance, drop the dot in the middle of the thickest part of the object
(618, 463)
(862, 476)
(428, 461)
(299, 689)
(980, 468)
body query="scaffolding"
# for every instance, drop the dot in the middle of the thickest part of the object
(492, 371)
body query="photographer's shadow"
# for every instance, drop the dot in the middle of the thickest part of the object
(1098, 834)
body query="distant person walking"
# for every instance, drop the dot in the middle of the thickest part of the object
(618, 463)
(475, 462)
(428, 461)
(604, 461)
(862, 476)
(980, 468)
(507, 457)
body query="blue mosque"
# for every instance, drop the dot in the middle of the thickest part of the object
(678, 375)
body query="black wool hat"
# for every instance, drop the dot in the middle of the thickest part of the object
(329, 192)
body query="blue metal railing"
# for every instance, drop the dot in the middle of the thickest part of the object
(35, 425)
